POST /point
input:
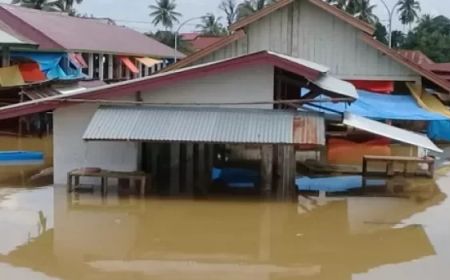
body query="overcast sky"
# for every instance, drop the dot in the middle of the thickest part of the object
(134, 13)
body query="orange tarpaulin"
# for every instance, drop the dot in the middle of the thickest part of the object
(342, 151)
(11, 76)
(129, 64)
(31, 72)
(376, 86)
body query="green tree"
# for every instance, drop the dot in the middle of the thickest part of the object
(249, 7)
(381, 33)
(164, 13)
(408, 11)
(47, 5)
(230, 8)
(432, 37)
(363, 10)
(211, 26)
(398, 39)
(168, 38)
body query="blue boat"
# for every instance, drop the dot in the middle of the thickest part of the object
(7, 156)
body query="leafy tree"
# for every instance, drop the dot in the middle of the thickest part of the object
(164, 13)
(249, 7)
(398, 39)
(381, 33)
(230, 8)
(47, 5)
(211, 26)
(363, 10)
(432, 37)
(408, 11)
(168, 38)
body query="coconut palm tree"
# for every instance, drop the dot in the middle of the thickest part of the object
(230, 8)
(249, 7)
(211, 26)
(363, 9)
(163, 12)
(48, 5)
(408, 11)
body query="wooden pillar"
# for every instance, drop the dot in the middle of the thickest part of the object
(146, 70)
(6, 56)
(287, 168)
(266, 170)
(174, 168)
(91, 65)
(154, 161)
(119, 69)
(127, 73)
(139, 66)
(189, 169)
(101, 66)
(201, 164)
(110, 67)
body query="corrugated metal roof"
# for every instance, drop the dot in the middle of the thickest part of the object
(390, 132)
(212, 125)
(56, 30)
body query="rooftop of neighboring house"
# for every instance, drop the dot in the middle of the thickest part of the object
(419, 58)
(199, 41)
(58, 31)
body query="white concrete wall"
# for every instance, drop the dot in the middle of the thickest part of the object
(71, 152)
(251, 84)
(305, 31)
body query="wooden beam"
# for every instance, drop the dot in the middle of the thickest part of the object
(91, 65)
(287, 168)
(110, 66)
(266, 170)
(101, 66)
(6, 56)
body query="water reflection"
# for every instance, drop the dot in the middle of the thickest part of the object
(61, 236)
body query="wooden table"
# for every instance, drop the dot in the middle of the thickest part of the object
(391, 160)
(73, 178)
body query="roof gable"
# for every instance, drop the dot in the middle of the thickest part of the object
(332, 10)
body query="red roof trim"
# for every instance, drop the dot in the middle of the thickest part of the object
(363, 26)
(157, 81)
(406, 62)
(204, 52)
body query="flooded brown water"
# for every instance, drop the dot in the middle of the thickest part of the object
(48, 234)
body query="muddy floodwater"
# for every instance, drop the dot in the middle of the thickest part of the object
(48, 234)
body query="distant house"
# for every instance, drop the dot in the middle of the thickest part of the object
(197, 41)
(319, 32)
(102, 49)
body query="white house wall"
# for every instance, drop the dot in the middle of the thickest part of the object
(252, 84)
(305, 31)
(71, 152)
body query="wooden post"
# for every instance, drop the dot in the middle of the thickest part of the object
(91, 65)
(286, 188)
(174, 168)
(201, 169)
(127, 73)
(6, 56)
(101, 67)
(139, 66)
(266, 170)
(110, 67)
(189, 169)
(146, 71)
(154, 160)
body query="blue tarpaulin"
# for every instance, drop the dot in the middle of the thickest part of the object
(439, 130)
(236, 177)
(335, 184)
(50, 64)
(384, 107)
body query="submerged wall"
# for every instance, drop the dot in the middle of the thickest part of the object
(71, 152)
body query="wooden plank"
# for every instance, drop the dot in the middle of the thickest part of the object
(189, 168)
(201, 164)
(286, 188)
(174, 168)
(266, 170)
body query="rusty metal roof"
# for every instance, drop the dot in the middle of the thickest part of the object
(205, 125)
